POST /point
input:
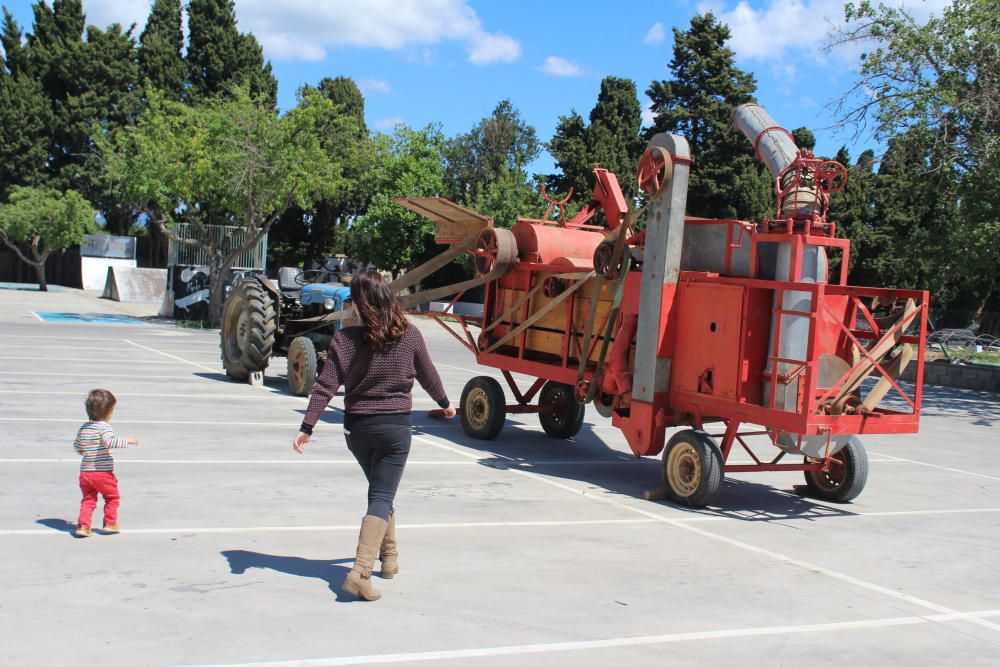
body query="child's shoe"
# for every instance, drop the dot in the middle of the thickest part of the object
(112, 528)
(83, 531)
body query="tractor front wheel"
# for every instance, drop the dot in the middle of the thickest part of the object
(563, 416)
(846, 477)
(484, 408)
(692, 468)
(248, 329)
(301, 366)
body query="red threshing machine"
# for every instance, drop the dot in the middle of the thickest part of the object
(688, 322)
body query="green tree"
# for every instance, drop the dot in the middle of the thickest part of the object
(852, 210)
(697, 103)
(25, 114)
(804, 138)
(161, 64)
(39, 221)
(488, 166)
(92, 87)
(15, 52)
(233, 156)
(304, 235)
(611, 140)
(937, 84)
(219, 56)
(408, 163)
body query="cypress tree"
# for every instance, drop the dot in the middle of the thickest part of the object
(697, 103)
(611, 140)
(161, 64)
(16, 60)
(219, 56)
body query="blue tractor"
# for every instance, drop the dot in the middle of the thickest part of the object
(261, 319)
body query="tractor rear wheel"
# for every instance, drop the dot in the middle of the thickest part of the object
(301, 366)
(484, 408)
(692, 468)
(248, 329)
(845, 479)
(566, 415)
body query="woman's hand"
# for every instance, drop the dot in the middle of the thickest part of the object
(449, 412)
(300, 442)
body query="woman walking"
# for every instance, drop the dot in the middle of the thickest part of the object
(376, 363)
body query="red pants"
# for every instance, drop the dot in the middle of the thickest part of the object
(104, 483)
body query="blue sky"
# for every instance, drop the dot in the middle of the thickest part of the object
(451, 61)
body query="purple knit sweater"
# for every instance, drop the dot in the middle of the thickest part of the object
(374, 382)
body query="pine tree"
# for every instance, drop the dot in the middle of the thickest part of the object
(569, 149)
(161, 64)
(220, 57)
(697, 103)
(25, 118)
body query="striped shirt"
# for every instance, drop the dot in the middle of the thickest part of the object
(94, 443)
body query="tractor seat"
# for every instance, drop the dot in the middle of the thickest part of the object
(289, 279)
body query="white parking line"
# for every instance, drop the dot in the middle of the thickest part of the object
(228, 397)
(620, 642)
(101, 361)
(746, 546)
(350, 527)
(215, 369)
(933, 465)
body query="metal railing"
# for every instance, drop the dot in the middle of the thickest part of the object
(215, 236)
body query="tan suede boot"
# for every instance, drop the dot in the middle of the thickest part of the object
(389, 553)
(359, 581)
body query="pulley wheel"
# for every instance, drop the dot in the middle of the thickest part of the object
(832, 176)
(655, 170)
(604, 256)
(495, 249)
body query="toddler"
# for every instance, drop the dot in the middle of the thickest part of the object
(94, 443)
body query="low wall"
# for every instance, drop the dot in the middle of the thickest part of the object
(980, 378)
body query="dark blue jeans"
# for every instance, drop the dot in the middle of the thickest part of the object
(381, 450)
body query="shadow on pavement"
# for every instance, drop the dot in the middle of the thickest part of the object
(331, 572)
(61, 525)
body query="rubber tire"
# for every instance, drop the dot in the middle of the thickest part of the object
(855, 460)
(250, 299)
(489, 390)
(709, 458)
(567, 422)
(301, 383)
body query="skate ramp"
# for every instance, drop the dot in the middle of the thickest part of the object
(130, 284)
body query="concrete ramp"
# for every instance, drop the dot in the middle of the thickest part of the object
(129, 284)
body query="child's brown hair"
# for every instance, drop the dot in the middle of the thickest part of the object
(100, 403)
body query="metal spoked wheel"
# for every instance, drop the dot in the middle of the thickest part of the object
(846, 477)
(484, 408)
(302, 365)
(692, 468)
(565, 418)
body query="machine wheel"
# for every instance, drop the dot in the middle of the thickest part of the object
(841, 483)
(248, 329)
(301, 366)
(484, 408)
(692, 468)
(566, 417)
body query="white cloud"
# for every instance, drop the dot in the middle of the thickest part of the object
(304, 29)
(557, 66)
(388, 123)
(767, 33)
(486, 48)
(656, 34)
(375, 86)
(103, 13)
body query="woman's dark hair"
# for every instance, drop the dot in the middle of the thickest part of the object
(99, 404)
(380, 312)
